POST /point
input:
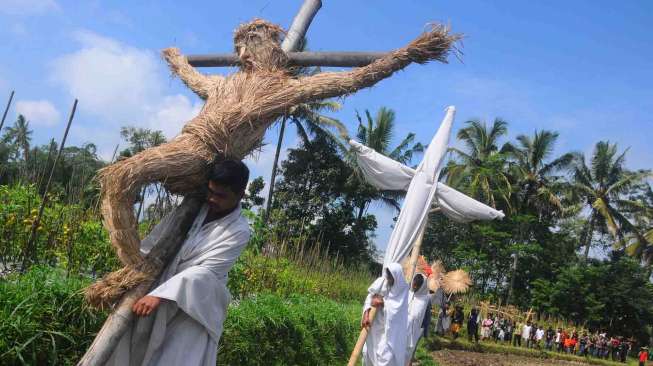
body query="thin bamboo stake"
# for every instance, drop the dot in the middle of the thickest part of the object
(362, 337)
(44, 199)
(4, 115)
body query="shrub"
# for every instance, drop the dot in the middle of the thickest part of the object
(300, 330)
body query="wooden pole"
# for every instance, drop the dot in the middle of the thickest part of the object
(300, 24)
(4, 115)
(44, 199)
(362, 337)
(268, 204)
(165, 248)
(300, 59)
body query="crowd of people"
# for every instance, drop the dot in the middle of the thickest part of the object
(500, 329)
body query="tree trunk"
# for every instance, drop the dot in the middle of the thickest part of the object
(140, 205)
(268, 204)
(512, 278)
(588, 240)
(121, 318)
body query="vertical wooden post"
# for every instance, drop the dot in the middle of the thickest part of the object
(4, 115)
(44, 199)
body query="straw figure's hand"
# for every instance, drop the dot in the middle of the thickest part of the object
(199, 83)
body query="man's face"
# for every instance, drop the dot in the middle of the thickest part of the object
(221, 198)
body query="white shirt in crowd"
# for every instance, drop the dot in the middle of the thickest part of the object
(539, 334)
(526, 331)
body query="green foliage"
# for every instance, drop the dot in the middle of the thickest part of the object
(43, 318)
(295, 330)
(315, 204)
(255, 273)
(68, 235)
(613, 294)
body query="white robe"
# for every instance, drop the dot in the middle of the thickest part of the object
(186, 327)
(418, 301)
(386, 340)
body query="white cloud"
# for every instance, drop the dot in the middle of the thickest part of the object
(28, 7)
(38, 112)
(119, 85)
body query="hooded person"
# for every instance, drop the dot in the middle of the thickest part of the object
(386, 340)
(418, 301)
(181, 320)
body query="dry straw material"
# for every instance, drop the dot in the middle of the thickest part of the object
(238, 110)
(456, 282)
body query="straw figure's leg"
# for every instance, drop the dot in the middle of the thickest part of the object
(179, 164)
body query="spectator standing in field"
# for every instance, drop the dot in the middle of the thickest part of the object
(472, 325)
(548, 338)
(457, 320)
(558, 340)
(643, 356)
(624, 348)
(516, 338)
(614, 347)
(526, 334)
(582, 348)
(539, 335)
(509, 329)
(486, 330)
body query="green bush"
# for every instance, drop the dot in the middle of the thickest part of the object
(43, 320)
(299, 330)
(254, 273)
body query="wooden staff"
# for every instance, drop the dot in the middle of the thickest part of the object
(362, 337)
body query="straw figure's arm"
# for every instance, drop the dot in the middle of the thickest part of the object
(435, 44)
(197, 82)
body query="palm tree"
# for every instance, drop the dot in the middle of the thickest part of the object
(537, 185)
(307, 118)
(20, 135)
(376, 133)
(602, 188)
(481, 168)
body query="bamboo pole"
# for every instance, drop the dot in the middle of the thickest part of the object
(164, 249)
(4, 115)
(300, 24)
(44, 199)
(299, 59)
(362, 337)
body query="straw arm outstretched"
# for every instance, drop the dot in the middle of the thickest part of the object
(197, 82)
(433, 45)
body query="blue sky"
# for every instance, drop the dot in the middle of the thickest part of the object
(582, 68)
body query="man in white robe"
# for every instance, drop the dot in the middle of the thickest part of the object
(418, 301)
(386, 340)
(181, 320)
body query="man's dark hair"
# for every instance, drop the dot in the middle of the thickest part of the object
(231, 173)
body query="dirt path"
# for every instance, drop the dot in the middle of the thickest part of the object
(464, 358)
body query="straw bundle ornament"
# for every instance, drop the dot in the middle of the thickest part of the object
(238, 110)
(437, 275)
(456, 282)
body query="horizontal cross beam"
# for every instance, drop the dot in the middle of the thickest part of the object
(303, 59)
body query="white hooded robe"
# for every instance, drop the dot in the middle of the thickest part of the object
(187, 325)
(386, 340)
(418, 301)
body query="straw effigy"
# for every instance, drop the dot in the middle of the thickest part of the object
(456, 282)
(437, 275)
(238, 110)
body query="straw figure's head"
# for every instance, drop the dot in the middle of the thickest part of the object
(258, 46)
